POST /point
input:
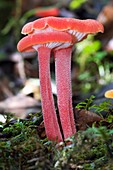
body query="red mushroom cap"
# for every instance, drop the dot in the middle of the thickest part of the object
(28, 28)
(55, 38)
(62, 24)
(79, 29)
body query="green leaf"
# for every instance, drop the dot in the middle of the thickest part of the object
(92, 47)
(87, 104)
(76, 3)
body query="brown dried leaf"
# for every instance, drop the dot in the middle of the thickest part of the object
(19, 105)
(85, 118)
(19, 101)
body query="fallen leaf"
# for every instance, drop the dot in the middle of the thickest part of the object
(20, 106)
(84, 118)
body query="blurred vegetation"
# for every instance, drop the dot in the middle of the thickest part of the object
(94, 64)
(5, 14)
(76, 4)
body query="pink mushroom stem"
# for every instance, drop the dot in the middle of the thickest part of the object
(64, 92)
(48, 108)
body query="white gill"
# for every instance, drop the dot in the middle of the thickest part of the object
(53, 45)
(78, 35)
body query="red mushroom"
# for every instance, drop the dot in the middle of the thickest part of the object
(43, 43)
(76, 30)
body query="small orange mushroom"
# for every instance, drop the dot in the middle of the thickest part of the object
(109, 94)
(59, 35)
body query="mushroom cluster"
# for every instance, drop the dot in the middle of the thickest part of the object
(57, 35)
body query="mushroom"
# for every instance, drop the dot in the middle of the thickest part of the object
(43, 43)
(59, 35)
(109, 94)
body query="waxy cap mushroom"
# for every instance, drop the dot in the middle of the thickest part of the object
(44, 43)
(57, 35)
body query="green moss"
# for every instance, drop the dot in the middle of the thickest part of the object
(22, 148)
